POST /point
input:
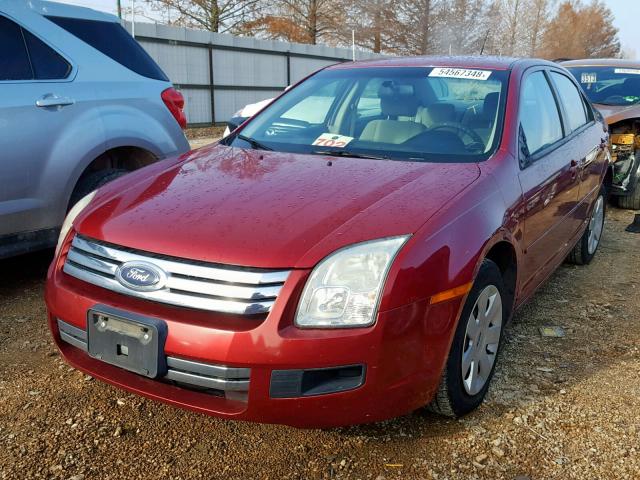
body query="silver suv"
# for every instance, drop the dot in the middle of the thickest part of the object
(81, 103)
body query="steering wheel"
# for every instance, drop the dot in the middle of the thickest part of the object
(461, 131)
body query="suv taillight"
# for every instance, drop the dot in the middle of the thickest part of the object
(174, 101)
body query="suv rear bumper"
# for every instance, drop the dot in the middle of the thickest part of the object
(401, 358)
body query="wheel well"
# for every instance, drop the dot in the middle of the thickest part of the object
(504, 256)
(125, 158)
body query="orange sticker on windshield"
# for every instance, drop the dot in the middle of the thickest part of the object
(331, 140)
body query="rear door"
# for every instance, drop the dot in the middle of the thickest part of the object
(35, 105)
(548, 176)
(588, 145)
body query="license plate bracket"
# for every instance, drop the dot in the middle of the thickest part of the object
(127, 340)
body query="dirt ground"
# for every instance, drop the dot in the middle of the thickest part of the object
(199, 137)
(559, 408)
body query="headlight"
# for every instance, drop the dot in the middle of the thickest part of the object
(71, 216)
(344, 289)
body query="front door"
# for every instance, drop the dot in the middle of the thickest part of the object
(549, 178)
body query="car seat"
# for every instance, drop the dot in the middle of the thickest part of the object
(399, 105)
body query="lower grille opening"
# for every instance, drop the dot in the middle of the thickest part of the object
(318, 381)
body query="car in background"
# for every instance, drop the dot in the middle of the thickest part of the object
(351, 253)
(81, 103)
(613, 85)
(244, 114)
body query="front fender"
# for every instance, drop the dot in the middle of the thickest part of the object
(447, 252)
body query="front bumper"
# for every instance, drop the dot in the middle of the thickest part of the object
(402, 355)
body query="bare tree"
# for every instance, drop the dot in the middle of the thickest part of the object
(214, 15)
(536, 21)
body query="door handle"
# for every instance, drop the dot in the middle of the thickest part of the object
(53, 101)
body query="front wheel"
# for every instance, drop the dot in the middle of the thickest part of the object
(475, 346)
(586, 248)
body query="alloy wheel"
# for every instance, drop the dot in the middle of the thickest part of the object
(596, 225)
(481, 341)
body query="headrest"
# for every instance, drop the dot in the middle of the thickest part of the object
(398, 100)
(441, 112)
(491, 103)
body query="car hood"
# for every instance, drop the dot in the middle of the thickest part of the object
(268, 209)
(616, 113)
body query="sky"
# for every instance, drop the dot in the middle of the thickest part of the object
(626, 13)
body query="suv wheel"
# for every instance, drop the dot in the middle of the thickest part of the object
(586, 248)
(93, 181)
(475, 346)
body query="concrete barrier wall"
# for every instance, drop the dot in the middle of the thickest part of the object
(219, 74)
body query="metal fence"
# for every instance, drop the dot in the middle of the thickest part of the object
(219, 74)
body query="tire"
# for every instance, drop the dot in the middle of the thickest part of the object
(631, 202)
(93, 181)
(586, 248)
(462, 390)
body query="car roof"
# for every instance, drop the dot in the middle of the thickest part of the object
(55, 9)
(601, 62)
(478, 62)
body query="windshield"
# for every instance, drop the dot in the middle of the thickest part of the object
(609, 85)
(417, 114)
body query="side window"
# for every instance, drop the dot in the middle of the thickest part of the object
(113, 41)
(571, 101)
(47, 64)
(539, 118)
(14, 60)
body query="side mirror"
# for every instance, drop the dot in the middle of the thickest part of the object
(235, 122)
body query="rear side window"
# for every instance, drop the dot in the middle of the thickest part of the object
(571, 101)
(539, 118)
(47, 63)
(113, 41)
(24, 56)
(14, 60)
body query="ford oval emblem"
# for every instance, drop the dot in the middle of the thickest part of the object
(141, 276)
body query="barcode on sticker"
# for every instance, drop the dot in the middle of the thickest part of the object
(460, 73)
(332, 140)
(627, 71)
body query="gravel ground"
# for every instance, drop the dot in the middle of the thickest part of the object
(559, 408)
(199, 137)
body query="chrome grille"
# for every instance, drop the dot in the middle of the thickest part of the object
(217, 288)
(186, 372)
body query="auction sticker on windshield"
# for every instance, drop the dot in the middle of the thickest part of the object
(460, 73)
(628, 71)
(332, 140)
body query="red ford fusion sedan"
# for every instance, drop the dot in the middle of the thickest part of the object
(350, 254)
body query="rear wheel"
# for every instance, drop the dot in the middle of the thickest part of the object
(94, 181)
(586, 248)
(475, 346)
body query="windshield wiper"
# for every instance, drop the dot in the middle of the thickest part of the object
(256, 145)
(347, 153)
